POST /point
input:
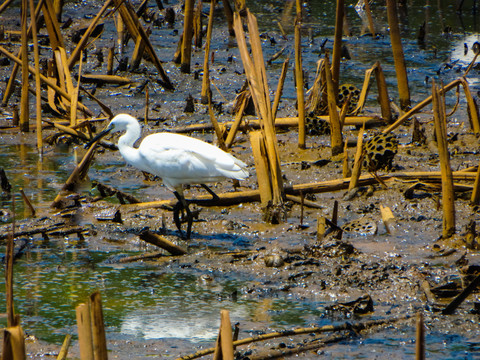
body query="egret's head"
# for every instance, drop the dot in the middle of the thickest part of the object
(120, 122)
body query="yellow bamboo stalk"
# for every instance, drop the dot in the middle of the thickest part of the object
(371, 27)
(299, 83)
(420, 106)
(83, 41)
(74, 103)
(14, 341)
(448, 201)
(24, 101)
(278, 93)
(336, 139)
(187, 36)
(98, 327)
(205, 94)
(337, 46)
(38, 90)
(257, 143)
(475, 199)
(357, 165)
(383, 98)
(84, 331)
(398, 57)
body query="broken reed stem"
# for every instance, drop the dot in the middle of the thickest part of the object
(84, 331)
(98, 327)
(420, 106)
(27, 202)
(187, 36)
(74, 102)
(398, 56)
(299, 82)
(38, 90)
(226, 340)
(475, 199)
(161, 242)
(14, 343)
(336, 139)
(236, 124)
(420, 338)
(84, 40)
(10, 309)
(257, 142)
(62, 355)
(24, 101)
(278, 93)
(357, 165)
(218, 131)
(371, 27)
(47, 81)
(301, 331)
(473, 116)
(337, 46)
(205, 94)
(383, 98)
(448, 195)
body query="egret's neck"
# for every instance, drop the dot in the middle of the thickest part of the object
(126, 141)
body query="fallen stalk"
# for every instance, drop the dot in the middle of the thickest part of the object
(301, 331)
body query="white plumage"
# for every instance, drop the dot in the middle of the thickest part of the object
(177, 159)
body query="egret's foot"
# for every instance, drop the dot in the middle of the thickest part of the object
(181, 205)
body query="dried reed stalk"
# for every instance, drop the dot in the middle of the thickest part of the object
(475, 199)
(74, 103)
(162, 242)
(205, 93)
(346, 171)
(24, 100)
(147, 102)
(224, 348)
(218, 131)
(257, 143)
(337, 46)
(473, 116)
(11, 80)
(371, 26)
(227, 8)
(13, 343)
(137, 54)
(84, 331)
(388, 219)
(197, 25)
(383, 98)
(299, 82)
(357, 165)
(46, 80)
(62, 355)
(236, 124)
(420, 106)
(398, 56)
(28, 203)
(38, 90)
(420, 338)
(336, 138)
(256, 74)
(278, 93)
(98, 327)
(448, 195)
(10, 309)
(135, 28)
(81, 45)
(187, 36)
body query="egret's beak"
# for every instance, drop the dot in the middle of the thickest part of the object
(97, 137)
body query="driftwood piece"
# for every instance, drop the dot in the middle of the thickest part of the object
(162, 242)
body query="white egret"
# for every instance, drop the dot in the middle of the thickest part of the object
(177, 159)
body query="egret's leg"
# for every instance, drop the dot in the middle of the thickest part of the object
(210, 191)
(182, 204)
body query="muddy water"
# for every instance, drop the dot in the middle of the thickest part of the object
(171, 306)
